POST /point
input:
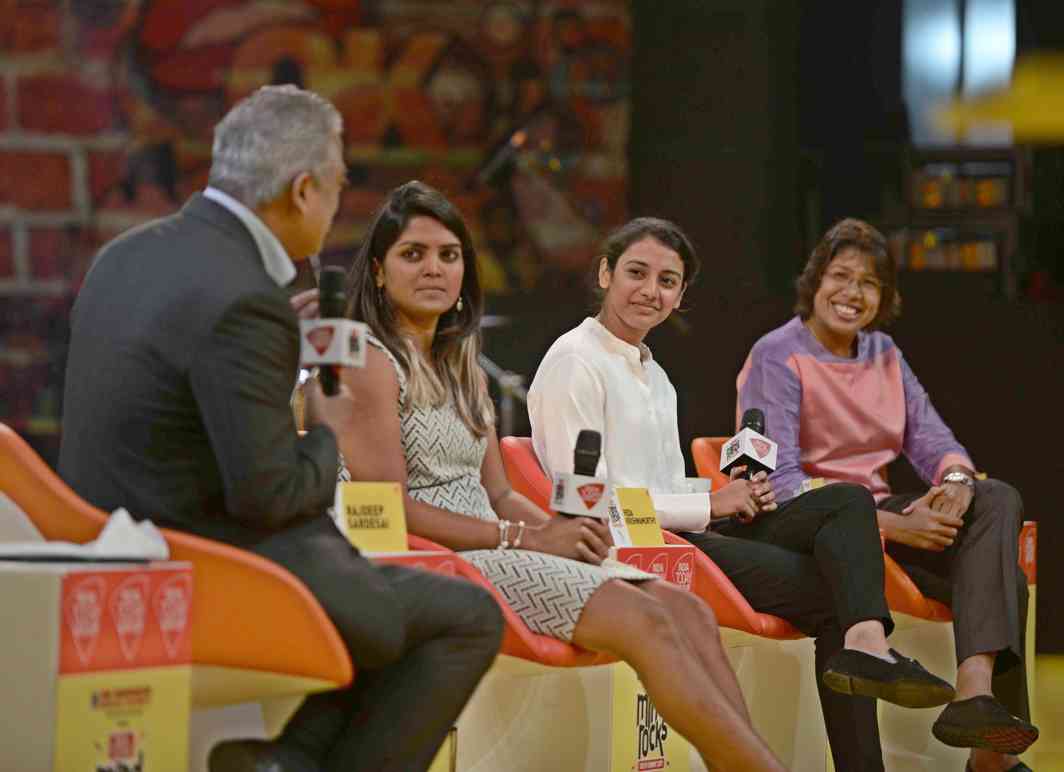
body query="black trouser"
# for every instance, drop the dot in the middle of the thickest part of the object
(817, 562)
(980, 579)
(420, 642)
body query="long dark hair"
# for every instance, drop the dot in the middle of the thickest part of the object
(453, 374)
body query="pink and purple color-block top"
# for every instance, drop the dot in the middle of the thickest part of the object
(840, 418)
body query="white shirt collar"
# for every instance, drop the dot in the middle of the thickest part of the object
(275, 259)
(637, 355)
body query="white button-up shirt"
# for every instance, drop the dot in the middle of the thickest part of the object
(591, 379)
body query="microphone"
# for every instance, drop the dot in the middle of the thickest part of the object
(587, 452)
(749, 447)
(332, 303)
(581, 494)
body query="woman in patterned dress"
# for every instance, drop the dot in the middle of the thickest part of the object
(422, 415)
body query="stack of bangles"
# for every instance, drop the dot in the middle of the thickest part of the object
(505, 533)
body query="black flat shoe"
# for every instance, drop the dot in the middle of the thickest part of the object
(258, 756)
(983, 722)
(903, 682)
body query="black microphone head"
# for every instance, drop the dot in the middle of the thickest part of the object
(753, 419)
(332, 292)
(587, 452)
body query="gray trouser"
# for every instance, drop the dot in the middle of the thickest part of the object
(980, 579)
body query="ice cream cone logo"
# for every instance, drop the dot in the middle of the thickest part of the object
(84, 609)
(172, 602)
(683, 572)
(129, 610)
(659, 565)
(635, 560)
(320, 338)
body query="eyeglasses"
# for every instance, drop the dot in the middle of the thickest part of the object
(867, 285)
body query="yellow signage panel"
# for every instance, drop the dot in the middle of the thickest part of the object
(119, 720)
(371, 515)
(640, 517)
(642, 741)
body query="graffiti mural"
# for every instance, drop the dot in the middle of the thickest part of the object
(517, 109)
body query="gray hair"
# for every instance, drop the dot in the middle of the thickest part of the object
(270, 137)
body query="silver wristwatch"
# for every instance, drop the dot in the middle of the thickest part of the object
(959, 477)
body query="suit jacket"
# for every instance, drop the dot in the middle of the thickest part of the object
(182, 361)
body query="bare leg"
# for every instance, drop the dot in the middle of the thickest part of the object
(974, 676)
(683, 691)
(868, 636)
(702, 635)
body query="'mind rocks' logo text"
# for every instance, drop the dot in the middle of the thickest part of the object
(651, 733)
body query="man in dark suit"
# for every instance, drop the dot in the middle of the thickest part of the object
(183, 356)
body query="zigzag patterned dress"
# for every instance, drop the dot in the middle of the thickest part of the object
(443, 460)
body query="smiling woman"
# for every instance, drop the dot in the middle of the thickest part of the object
(842, 404)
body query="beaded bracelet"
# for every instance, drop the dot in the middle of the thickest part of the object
(503, 529)
(520, 533)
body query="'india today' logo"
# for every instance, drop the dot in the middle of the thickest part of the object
(591, 493)
(320, 338)
(762, 447)
(651, 733)
(84, 611)
(172, 602)
(129, 610)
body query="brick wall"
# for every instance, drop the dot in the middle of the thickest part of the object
(107, 106)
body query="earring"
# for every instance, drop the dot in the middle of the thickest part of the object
(458, 305)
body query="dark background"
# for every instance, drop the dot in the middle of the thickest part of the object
(755, 125)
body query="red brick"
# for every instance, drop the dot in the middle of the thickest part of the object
(55, 253)
(105, 172)
(35, 180)
(63, 104)
(3, 105)
(29, 26)
(7, 256)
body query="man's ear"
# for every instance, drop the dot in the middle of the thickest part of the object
(299, 192)
(604, 274)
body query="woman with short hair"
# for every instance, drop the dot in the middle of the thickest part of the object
(843, 403)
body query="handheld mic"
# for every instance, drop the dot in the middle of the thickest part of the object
(332, 303)
(587, 452)
(749, 447)
(581, 494)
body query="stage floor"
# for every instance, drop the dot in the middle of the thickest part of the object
(1047, 755)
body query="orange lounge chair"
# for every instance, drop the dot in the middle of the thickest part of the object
(709, 583)
(257, 632)
(902, 593)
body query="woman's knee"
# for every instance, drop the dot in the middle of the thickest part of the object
(855, 499)
(687, 605)
(1000, 500)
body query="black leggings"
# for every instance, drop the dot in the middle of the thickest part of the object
(817, 562)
